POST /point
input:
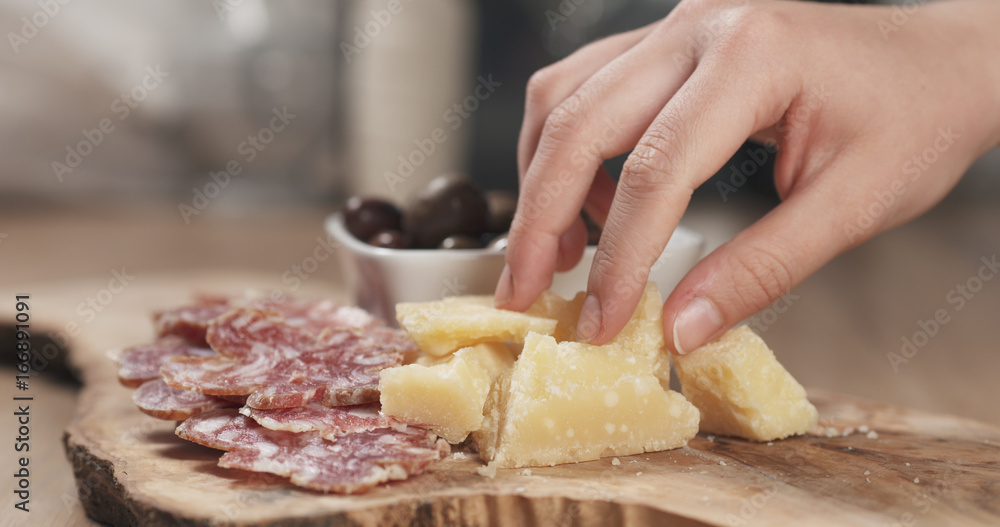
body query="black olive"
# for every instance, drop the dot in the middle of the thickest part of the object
(502, 205)
(391, 239)
(460, 242)
(365, 217)
(448, 205)
(499, 243)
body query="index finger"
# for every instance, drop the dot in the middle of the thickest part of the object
(699, 129)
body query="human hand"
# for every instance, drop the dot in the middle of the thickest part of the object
(875, 120)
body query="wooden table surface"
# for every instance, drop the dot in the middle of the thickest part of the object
(837, 332)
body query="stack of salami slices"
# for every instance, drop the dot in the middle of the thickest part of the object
(287, 387)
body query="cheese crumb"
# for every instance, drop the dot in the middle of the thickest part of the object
(488, 471)
(526, 472)
(770, 443)
(615, 461)
(872, 435)
(907, 463)
(711, 438)
(638, 473)
(832, 432)
(459, 456)
(863, 429)
(723, 463)
(867, 472)
(848, 431)
(869, 480)
(916, 480)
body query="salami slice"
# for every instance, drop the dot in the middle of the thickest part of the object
(282, 366)
(330, 423)
(353, 463)
(157, 399)
(139, 364)
(190, 322)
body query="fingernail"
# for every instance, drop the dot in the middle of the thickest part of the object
(505, 288)
(590, 319)
(696, 324)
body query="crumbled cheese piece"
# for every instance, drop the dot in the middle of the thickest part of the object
(638, 473)
(916, 480)
(742, 390)
(710, 437)
(867, 472)
(447, 396)
(872, 434)
(459, 456)
(488, 470)
(615, 461)
(770, 443)
(567, 402)
(721, 462)
(863, 429)
(847, 431)
(832, 432)
(526, 472)
(444, 326)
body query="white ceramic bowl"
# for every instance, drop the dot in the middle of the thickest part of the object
(382, 277)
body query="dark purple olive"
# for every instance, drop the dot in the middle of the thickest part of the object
(391, 239)
(499, 243)
(448, 205)
(365, 217)
(460, 242)
(502, 205)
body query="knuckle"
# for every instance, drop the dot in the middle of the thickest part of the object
(748, 28)
(656, 162)
(564, 121)
(767, 271)
(540, 88)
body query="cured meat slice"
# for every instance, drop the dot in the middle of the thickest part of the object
(330, 423)
(139, 364)
(190, 322)
(157, 399)
(281, 366)
(353, 463)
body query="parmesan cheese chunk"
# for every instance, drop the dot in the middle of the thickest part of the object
(569, 402)
(445, 395)
(742, 390)
(643, 334)
(443, 326)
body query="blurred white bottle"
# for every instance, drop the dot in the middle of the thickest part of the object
(406, 63)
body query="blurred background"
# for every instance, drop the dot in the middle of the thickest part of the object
(182, 136)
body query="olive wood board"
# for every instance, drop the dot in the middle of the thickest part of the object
(922, 469)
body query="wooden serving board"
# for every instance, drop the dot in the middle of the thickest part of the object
(922, 469)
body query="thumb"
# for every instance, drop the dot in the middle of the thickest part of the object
(761, 264)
